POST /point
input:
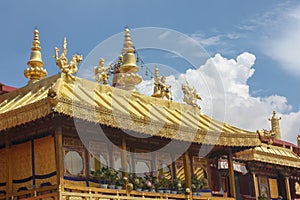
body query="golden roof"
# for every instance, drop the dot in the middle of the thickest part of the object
(117, 108)
(271, 154)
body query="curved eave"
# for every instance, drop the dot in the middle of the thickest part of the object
(143, 124)
(25, 114)
(271, 154)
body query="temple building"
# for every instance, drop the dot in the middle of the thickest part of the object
(65, 137)
(5, 88)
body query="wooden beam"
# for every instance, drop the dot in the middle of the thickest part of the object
(174, 170)
(287, 188)
(255, 183)
(124, 157)
(111, 159)
(154, 161)
(208, 172)
(231, 174)
(59, 155)
(9, 182)
(187, 170)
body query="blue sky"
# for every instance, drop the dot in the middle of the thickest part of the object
(266, 29)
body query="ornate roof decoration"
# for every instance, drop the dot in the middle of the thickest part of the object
(275, 125)
(271, 154)
(190, 94)
(101, 72)
(274, 133)
(102, 103)
(161, 89)
(62, 62)
(266, 133)
(35, 71)
(125, 76)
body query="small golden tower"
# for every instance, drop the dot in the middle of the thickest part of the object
(275, 125)
(125, 76)
(35, 71)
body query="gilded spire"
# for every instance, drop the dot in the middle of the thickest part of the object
(127, 46)
(275, 125)
(125, 76)
(35, 71)
(129, 60)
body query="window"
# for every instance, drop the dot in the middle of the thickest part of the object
(97, 161)
(74, 159)
(74, 164)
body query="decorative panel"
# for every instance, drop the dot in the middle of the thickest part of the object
(21, 160)
(44, 158)
(273, 187)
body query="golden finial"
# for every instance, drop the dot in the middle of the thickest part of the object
(125, 76)
(156, 73)
(35, 71)
(129, 60)
(127, 46)
(275, 125)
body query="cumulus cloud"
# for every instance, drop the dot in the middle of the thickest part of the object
(222, 82)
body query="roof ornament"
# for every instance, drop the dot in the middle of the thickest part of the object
(190, 94)
(125, 76)
(266, 133)
(275, 129)
(101, 73)
(62, 61)
(161, 89)
(275, 125)
(35, 72)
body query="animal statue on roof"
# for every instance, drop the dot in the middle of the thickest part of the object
(266, 133)
(101, 72)
(62, 61)
(190, 94)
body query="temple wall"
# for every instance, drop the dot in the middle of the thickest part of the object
(44, 159)
(32, 164)
(3, 169)
(21, 166)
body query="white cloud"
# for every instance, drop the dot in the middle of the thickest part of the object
(241, 109)
(215, 40)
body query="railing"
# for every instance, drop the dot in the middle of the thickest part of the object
(92, 193)
(47, 192)
(71, 192)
